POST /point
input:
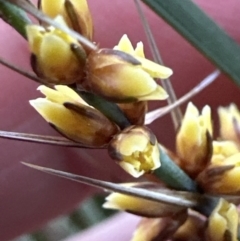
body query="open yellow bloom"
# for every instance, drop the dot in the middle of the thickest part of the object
(223, 222)
(52, 56)
(75, 12)
(221, 176)
(123, 76)
(136, 150)
(74, 118)
(222, 150)
(229, 123)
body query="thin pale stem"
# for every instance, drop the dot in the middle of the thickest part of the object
(176, 112)
(137, 192)
(42, 139)
(29, 8)
(158, 113)
(25, 73)
(202, 203)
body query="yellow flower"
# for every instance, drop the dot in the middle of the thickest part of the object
(75, 12)
(124, 77)
(222, 150)
(136, 150)
(194, 139)
(74, 118)
(223, 222)
(229, 123)
(153, 69)
(221, 176)
(52, 56)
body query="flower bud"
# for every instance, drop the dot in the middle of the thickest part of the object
(75, 13)
(223, 222)
(121, 77)
(194, 145)
(229, 123)
(221, 176)
(136, 150)
(74, 118)
(52, 56)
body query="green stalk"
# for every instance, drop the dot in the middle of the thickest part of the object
(172, 175)
(14, 16)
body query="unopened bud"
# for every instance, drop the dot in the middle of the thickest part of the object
(223, 222)
(194, 144)
(74, 118)
(52, 55)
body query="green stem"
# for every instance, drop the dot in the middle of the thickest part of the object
(14, 16)
(109, 109)
(172, 175)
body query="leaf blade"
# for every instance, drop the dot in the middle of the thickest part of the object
(212, 41)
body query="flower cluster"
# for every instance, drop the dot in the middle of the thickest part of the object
(121, 75)
(204, 170)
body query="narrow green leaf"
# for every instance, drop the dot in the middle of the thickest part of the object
(202, 32)
(172, 175)
(14, 16)
(109, 109)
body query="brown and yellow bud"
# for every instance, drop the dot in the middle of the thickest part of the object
(229, 123)
(74, 118)
(223, 222)
(75, 13)
(53, 57)
(136, 150)
(135, 111)
(194, 144)
(122, 77)
(139, 206)
(221, 176)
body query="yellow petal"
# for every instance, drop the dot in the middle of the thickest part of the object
(125, 45)
(158, 94)
(155, 70)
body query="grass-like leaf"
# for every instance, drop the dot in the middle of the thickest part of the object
(202, 32)
(14, 16)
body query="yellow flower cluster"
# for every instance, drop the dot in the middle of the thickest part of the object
(124, 76)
